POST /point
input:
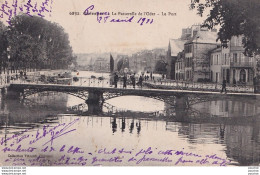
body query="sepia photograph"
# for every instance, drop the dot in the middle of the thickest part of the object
(129, 83)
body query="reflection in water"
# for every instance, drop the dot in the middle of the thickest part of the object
(242, 144)
(230, 108)
(132, 125)
(123, 125)
(138, 127)
(114, 125)
(222, 131)
(227, 126)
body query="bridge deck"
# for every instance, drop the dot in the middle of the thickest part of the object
(57, 87)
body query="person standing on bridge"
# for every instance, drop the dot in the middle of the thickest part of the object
(115, 80)
(224, 86)
(124, 81)
(141, 81)
(133, 80)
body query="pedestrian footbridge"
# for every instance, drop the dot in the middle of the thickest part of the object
(95, 95)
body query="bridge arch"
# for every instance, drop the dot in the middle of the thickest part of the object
(80, 94)
(171, 100)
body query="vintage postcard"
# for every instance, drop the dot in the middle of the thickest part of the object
(129, 83)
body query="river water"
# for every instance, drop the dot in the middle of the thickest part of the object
(53, 128)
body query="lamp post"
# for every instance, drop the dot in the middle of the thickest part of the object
(8, 65)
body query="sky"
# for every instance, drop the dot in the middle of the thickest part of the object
(87, 35)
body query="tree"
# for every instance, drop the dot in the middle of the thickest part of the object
(36, 42)
(21, 50)
(160, 67)
(3, 47)
(111, 64)
(59, 50)
(235, 17)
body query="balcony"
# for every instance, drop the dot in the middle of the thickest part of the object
(242, 64)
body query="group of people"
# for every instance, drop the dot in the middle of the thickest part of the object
(16, 76)
(132, 78)
(146, 77)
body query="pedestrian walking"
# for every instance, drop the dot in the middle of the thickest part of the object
(141, 81)
(115, 80)
(124, 81)
(224, 86)
(133, 80)
(21, 74)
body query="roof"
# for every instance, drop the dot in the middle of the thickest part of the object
(204, 37)
(216, 50)
(176, 46)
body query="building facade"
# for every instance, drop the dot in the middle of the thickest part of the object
(242, 67)
(101, 65)
(231, 64)
(194, 63)
(146, 60)
(174, 48)
(177, 45)
(197, 58)
(179, 67)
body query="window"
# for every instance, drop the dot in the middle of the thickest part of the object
(217, 60)
(235, 57)
(242, 57)
(243, 75)
(240, 41)
(235, 41)
(188, 48)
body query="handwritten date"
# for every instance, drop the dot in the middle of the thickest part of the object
(104, 17)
